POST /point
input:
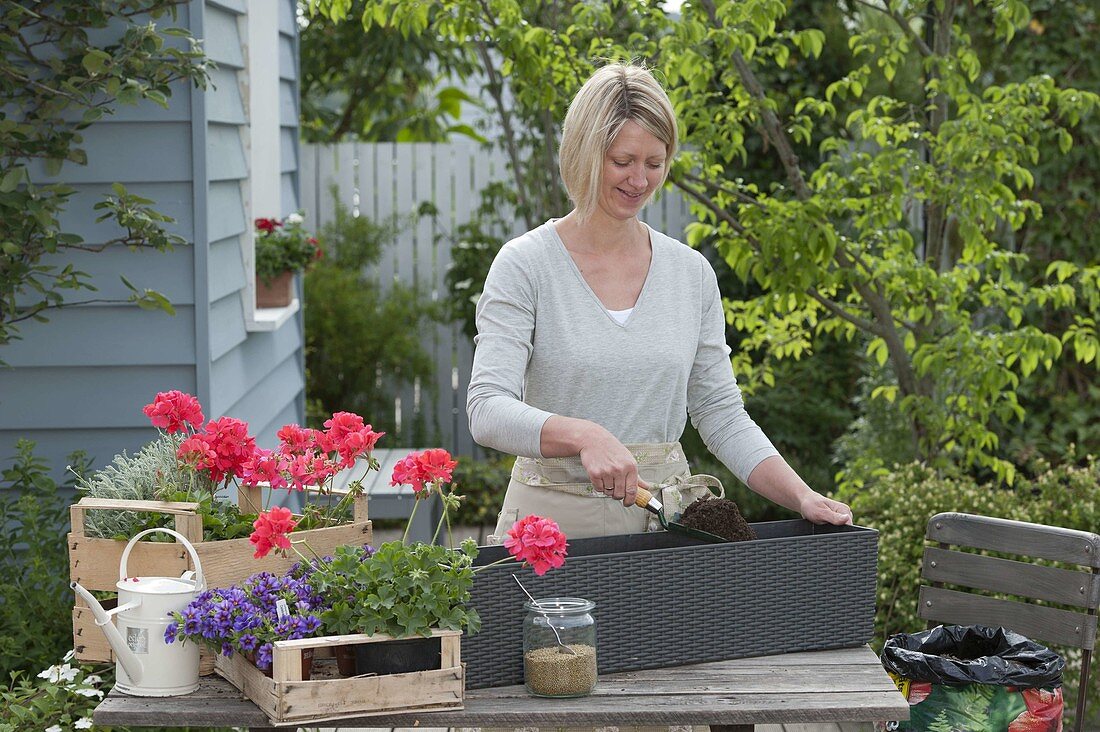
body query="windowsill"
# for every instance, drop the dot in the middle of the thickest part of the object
(266, 319)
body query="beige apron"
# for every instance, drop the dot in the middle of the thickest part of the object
(558, 488)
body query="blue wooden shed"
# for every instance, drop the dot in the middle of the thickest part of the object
(214, 160)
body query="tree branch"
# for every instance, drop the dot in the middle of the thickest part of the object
(719, 188)
(902, 23)
(833, 307)
(714, 208)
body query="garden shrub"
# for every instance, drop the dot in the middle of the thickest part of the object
(36, 623)
(61, 697)
(363, 342)
(482, 484)
(900, 503)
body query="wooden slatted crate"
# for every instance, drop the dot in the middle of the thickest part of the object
(93, 562)
(288, 700)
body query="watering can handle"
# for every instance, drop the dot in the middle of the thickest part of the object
(200, 581)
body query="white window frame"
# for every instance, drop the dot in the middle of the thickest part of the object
(262, 191)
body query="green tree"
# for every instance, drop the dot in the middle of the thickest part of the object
(56, 79)
(363, 342)
(899, 237)
(379, 84)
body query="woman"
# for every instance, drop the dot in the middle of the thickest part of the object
(598, 337)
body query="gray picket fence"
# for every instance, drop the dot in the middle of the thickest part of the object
(388, 182)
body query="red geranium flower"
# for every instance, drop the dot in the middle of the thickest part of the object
(197, 452)
(537, 541)
(270, 531)
(406, 472)
(229, 438)
(436, 464)
(418, 469)
(268, 225)
(173, 410)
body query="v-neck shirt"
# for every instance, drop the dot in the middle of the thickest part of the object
(547, 345)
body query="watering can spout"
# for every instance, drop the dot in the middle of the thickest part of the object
(130, 663)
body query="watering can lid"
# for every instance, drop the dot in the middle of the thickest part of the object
(157, 585)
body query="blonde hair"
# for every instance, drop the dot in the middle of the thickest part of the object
(614, 95)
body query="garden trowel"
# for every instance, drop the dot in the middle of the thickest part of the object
(649, 502)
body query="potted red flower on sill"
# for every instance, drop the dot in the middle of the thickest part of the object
(283, 247)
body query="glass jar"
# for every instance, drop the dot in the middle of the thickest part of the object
(548, 668)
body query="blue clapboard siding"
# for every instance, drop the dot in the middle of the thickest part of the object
(80, 380)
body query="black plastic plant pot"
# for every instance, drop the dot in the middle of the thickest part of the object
(398, 657)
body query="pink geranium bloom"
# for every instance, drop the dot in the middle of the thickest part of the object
(356, 444)
(436, 464)
(407, 472)
(342, 424)
(300, 468)
(173, 410)
(265, 466)
(270, 531)
(197, 452)
(418, 469)
(537, 541)
(294, 440)
(230, 439)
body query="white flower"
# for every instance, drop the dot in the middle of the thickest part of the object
(294, 218)
(91, 693)
(69, 656)
(83, 723)
(53, 728)
(64, 672)
(93, 679)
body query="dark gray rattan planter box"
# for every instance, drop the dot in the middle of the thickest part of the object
(666, 600)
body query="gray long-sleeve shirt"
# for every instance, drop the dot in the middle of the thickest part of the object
(546, 345)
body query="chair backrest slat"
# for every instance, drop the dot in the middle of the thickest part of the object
(1026, 541)
(1016, 537)
(1049, 624)
(1064, 586)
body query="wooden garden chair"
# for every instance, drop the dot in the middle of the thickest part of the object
(1022, 578)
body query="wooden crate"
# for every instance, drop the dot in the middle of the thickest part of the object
(94, 562)
(288, 700)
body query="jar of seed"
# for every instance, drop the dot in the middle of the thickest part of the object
(559, 647)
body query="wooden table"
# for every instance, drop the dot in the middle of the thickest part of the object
(847, 685)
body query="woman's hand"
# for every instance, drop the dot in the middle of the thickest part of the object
(821, 510)
(610, 466)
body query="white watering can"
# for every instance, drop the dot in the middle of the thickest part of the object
(147, 666)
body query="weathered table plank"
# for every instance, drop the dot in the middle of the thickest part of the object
(824, 686)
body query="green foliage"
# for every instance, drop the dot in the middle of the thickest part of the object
(900, 502)
(405, 589)
(62, 696)
(473, 246)
(945, 300)
(36, 622)
(57, 77)
(379, 84)
(152, 474)
(363, 341)
(482, 484)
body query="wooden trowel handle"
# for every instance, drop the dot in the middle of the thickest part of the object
(642, 497)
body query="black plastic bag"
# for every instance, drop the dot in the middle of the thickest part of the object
(975, 678)
(972, 654)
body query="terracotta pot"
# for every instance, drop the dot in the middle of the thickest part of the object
(276, 294)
